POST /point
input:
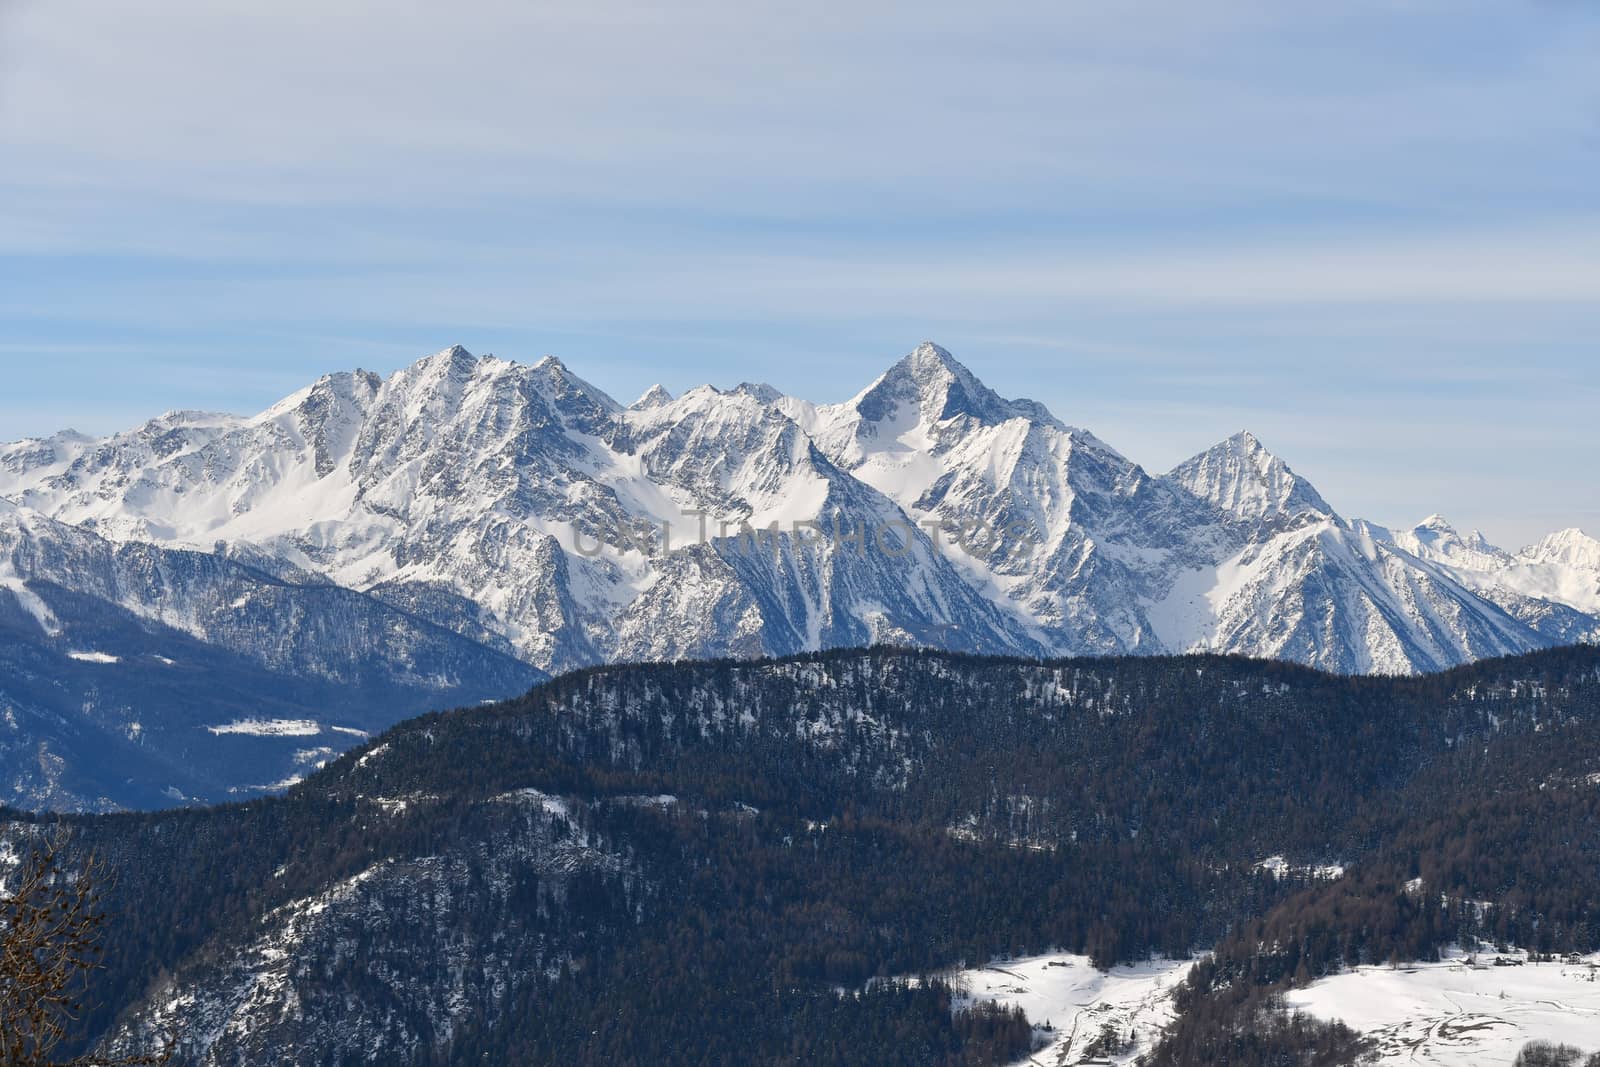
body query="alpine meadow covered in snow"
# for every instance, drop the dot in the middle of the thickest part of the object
(1005, 535)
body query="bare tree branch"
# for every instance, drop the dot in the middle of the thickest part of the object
(51, 926)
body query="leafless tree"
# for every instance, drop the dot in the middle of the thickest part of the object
(51, 926)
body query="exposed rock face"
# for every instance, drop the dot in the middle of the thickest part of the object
(341, 533)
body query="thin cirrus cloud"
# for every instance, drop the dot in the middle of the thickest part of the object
(650, 103)
(1363, 225)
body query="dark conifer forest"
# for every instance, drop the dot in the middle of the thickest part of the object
(774, 862)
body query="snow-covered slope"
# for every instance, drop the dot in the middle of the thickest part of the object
(123, 665)
(521, 506)
(1081, 1015)
(1243, 479)
(1563, 567)
(248, 1001)
(1463, 1010)
(1047, 519)
(310, 629)
(1552, 587)
(524, 509)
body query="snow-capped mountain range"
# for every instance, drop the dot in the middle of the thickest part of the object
(521, 507)
(133, 675)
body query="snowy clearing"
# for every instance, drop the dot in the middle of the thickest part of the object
(1077, 1001)
(552, 805)
(269, 728)
(1453, 1014)
(271, 787)
(1279, 867)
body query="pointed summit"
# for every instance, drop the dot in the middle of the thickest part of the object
(457, 364)
(1440, 539)
(1435, 539)
(575, 397)
(1240, 476)
(928, 355)
(1436, 522)
(453, 361)
(933, 384)
(654, 397)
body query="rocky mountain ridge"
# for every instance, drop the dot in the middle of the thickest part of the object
(521, 506)
(522, 511)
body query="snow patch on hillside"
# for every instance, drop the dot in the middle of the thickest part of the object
(269, 728)
(1457, 1013)
(31, 603)
(1076, 1001)
(1280, 867)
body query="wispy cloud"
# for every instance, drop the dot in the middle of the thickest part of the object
(1368, 222)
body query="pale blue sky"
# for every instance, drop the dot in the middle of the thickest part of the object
(1369, 231)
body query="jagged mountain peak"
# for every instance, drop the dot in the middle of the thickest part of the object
(928, 356)
(746, 397)
(356, 385)
(936, 385)
(455, 360)
(1245, 444)
(1242, 477)
(654, 397)
(1436, 523)
(563, 387)
(1437, 540)
(549, 368)
(458, 365)
(759, 391)
(1245, 441)
(1442, 529)
(464, 487)
(1570, 547)
(458, 361)
(449, 376)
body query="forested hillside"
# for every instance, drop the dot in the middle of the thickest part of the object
(712, 862)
